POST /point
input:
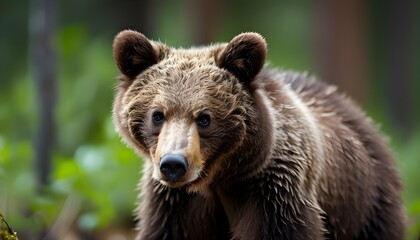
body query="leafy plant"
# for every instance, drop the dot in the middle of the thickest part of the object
(6, 232)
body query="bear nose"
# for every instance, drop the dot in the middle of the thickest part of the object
(173, 166)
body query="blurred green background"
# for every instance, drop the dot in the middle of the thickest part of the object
(64, 173)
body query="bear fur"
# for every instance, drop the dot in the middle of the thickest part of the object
(259, 153)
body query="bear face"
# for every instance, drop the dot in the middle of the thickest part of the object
(185, 110)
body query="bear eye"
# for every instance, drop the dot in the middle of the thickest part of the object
(157, 117)
(204, 120)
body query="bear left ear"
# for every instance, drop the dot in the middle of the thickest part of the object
(244, 56)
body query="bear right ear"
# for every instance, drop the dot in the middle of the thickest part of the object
(133, 53)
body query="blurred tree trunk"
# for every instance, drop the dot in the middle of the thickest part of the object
(135, 15)
(340, 45)
(399, 61)
(204, 17)
(43, 67)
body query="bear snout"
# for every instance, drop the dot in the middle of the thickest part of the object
(173, 166)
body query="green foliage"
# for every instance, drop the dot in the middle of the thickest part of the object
(90, 163)
(87, 76)
(408, 153)
(6, 232)
(103, 175)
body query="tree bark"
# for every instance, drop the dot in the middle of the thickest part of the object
(43, 69)
(204, 17)
(340, 45)
(136, 15)
(400, 26)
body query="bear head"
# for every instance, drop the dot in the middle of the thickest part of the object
(188, 111)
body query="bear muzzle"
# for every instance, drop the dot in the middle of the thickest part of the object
(173, 166)
(177, 159)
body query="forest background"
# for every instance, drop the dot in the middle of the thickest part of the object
(64, 173)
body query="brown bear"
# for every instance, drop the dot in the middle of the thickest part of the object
(233, 151)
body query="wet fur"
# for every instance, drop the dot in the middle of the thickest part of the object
(287, 157)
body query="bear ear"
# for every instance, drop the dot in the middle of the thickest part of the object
(133, 53)
(244, 56)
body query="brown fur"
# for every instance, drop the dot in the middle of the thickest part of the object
(283, 157)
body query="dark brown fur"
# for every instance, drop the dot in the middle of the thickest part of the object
(284, 156)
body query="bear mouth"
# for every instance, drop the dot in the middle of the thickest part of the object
(173, 184)
(192, 176)
(178, 184)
